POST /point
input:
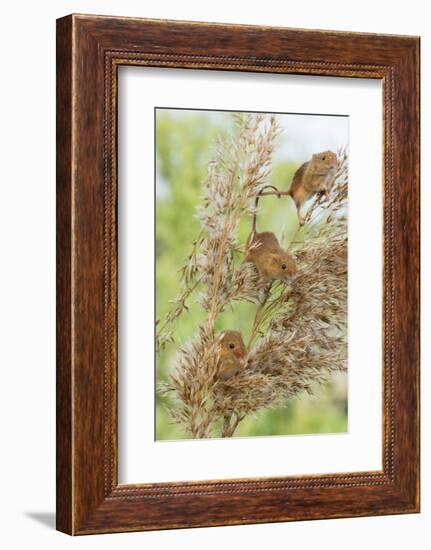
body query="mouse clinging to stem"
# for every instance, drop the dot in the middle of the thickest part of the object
(312, 177)
(264, 251)
(233, 354)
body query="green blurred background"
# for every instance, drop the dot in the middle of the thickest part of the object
(185, 142)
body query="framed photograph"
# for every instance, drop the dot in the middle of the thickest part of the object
(237, 274)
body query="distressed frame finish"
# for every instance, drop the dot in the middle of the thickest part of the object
(89, 51)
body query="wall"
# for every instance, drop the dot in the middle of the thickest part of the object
(27, 118)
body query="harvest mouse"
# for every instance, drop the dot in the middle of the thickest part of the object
(233, 354)
(264, 251)
(312, 177)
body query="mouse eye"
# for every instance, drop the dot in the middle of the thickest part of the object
(283, 266)
(231, 346)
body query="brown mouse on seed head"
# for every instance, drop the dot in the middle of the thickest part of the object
(272, 262)
(312, 177)
(263, 249)
(233, 354)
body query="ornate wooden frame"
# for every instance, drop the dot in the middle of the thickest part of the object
(89, 51)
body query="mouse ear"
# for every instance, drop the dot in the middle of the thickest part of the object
(274, 258)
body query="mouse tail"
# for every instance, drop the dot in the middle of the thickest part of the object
(256, 204)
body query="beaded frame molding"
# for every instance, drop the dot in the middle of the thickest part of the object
(89, 51)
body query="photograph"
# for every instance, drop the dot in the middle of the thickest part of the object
(251, 270)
